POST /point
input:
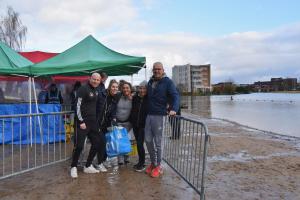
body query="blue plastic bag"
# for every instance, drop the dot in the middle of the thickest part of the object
(117, 142)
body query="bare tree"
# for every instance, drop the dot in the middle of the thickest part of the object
(12, 31)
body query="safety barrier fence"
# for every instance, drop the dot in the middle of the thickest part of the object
(31, 141)
(185, 144)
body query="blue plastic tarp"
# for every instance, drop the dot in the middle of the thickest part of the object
(17, 130)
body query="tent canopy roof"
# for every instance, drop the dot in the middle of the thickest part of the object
(37, 56)
(11, 62)
(86, 57)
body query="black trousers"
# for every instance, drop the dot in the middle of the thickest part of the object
(175, 124)
(92, 132)
(139, 134)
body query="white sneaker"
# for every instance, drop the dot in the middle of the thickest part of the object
(115, 168)
(101, 168)
(74, 172)
(90, 170)
(107, 163)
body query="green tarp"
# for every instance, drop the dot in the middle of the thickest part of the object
(11, 62)
(86, 57)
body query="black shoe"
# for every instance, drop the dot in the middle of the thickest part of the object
(140, 168)
(136, 165)
(126, 162)
(120, 163)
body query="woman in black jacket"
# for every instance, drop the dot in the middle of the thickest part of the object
(138, 119)
(106, 115)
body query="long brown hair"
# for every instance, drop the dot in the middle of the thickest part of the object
(112, 81)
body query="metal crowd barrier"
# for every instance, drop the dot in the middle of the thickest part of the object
(31, 141)
(185, 150)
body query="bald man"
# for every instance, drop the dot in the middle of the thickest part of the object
(161, 92)
(87, 125)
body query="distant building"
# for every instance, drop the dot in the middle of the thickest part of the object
(192, 78)
(224, 88)
(276, 84)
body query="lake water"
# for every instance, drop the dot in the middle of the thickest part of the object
(275, 112)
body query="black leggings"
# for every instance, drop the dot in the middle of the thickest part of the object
(139, 134)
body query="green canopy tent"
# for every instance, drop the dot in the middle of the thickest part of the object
(86, 57)
(11, 63)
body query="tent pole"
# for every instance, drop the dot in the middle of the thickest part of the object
(37, 111)
(145, 72)
(30, 111)
(131, 79)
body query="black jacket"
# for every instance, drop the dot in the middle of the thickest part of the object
(139, 111)
(106, 109)
(86, 103)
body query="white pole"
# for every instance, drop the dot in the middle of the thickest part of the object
(37, 110)
(145, 72)
(30, 111)
(132, 79)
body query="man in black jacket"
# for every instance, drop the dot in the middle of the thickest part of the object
(138, 120)
(87, 125)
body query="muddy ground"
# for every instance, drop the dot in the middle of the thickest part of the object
(54, 182)
(243, 164)
(250, 164)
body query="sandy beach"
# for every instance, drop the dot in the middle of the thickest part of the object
(243, 164)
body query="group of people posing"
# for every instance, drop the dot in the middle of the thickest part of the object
(97, 109)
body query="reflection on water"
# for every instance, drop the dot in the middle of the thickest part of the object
(278, 113)
(198, 105)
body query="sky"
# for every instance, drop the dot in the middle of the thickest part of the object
(243, 40)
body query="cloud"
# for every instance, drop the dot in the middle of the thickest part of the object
(239, 56)
(242, 56)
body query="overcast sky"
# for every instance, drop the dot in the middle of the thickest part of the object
(245, 41)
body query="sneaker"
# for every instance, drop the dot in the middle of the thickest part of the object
(149, 169)
(107, 164)
(156, 172)
(90, 170)
(74, 172)
(136, 165)
(140, 168)
(101, 168)
(115, 168)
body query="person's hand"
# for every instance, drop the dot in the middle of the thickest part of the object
(130, 96)
(82, 126)
(114, 122)
(172, 113)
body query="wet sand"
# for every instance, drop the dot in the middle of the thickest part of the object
(242, 164)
